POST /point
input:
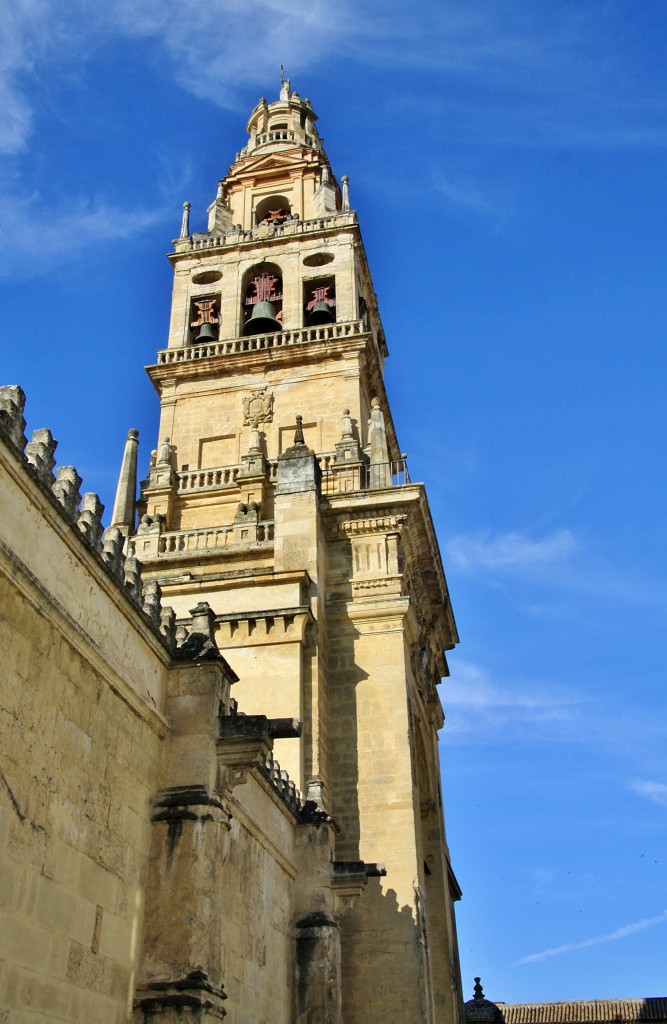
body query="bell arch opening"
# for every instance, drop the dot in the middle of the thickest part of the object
(262, 302)
(273, 210)
(319, 301)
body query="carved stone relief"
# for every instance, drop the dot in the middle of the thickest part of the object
(258, 406)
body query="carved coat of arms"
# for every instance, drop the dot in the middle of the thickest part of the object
(258, 406)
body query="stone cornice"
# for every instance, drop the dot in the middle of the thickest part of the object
(259, 351)
(402, 510)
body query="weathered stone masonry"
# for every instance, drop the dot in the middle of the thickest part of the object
(157, 862)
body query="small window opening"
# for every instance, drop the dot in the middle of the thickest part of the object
(319, 302)
(204, 319)
(263, 304)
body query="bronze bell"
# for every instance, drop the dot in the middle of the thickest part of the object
(321, 313)
(206, 334)
(262, 319)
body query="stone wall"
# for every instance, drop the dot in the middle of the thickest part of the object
(80, 736)
(155, 861)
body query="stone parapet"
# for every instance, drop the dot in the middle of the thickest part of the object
(34, 462)
(261, 342)
(262, 232)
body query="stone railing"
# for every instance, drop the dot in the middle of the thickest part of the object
(260, 342)
(215, 479)
(346, 479)
(281, 135)
(265, 231)
(213, 538)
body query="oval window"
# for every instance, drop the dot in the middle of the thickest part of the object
(206, 277)
(319, 259)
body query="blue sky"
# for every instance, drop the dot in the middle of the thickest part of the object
(508, 163)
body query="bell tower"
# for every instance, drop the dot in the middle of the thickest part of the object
(278, 493)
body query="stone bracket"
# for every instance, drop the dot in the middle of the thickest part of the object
(348, 879)
(244, 743)
(190, 998)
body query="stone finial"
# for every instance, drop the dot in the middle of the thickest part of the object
(314, 792)
(112, 550)
(185, 223)
(12, 422)
(298, 433)
(346, 192)
(200, 645)
(132, 577)
(164, 454)
(126, 492)
(66, 490)
(152, 600)
(40, 454)
(90, 518)
(479, 1009)
(380, 470)
(203, 619)
(347, 425)
(255, 444)
(168, 627)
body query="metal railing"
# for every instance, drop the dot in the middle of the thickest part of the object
(346, 479)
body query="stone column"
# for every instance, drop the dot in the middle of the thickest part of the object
(180, 977)
(299, 545)
(123, 509)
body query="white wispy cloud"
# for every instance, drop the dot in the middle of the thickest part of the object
(510, 552)
(478, 706)
(558, 562)
(469, 197)
(481, 709)
(655, 791)
(537, 62)
(571, 947)
(36, 241)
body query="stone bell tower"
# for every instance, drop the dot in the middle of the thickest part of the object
(278, 493)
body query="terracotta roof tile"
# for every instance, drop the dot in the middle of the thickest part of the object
(609, 1011)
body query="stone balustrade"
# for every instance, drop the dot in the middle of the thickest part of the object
(336, 479)
(260, 342)
(282, 135)
(213, 538)
(216, 478)
(264, 231)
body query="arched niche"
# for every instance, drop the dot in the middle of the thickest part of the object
(273, 210)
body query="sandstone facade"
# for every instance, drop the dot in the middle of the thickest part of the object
(174, 870)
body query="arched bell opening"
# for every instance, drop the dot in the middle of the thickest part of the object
(273, 210)
(204, 322)
(262, 304)
(319, 302)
